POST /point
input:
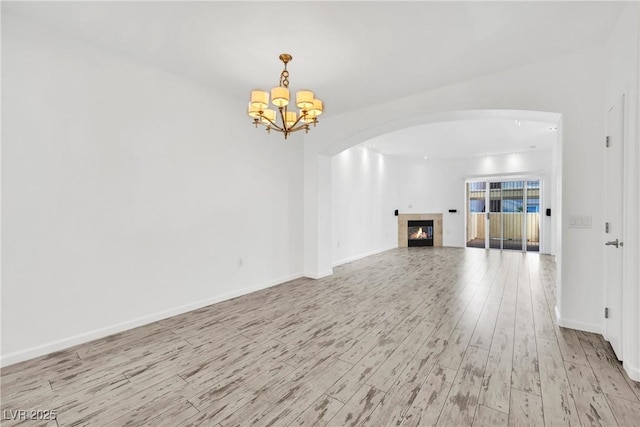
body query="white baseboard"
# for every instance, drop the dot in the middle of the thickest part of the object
(364, 255)
(632, 371)
(581, 326)
(320, 275)
(50, 347)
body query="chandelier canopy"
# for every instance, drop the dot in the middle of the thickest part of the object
(286, 121)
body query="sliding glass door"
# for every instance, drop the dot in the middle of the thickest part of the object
(503, 214)
(476, 224)
(496, 223)
(532, 226)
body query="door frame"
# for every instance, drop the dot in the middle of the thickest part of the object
(607, 327)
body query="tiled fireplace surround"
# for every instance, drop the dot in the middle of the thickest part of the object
(403, 220)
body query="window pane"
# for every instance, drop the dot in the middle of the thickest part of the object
(512, 205)
(476, 205)
(512, 185)
(533, 205)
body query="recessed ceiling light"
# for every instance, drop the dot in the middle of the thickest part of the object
(425, 157)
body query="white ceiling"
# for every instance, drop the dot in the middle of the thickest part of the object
(466, 138)
(350, 53)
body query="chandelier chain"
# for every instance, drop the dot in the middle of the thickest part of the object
(284, 77)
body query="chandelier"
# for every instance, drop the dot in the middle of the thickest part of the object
(286, 121)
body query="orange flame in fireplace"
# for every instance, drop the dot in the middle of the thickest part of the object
(419, 234)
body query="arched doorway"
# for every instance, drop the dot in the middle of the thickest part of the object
(499, 163)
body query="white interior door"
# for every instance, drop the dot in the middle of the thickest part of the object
(613, 229)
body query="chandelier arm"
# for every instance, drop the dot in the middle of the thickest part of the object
(298, 121)
(301, 127)
(282, 117)
(273, 124)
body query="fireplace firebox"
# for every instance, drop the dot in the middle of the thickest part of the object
(420, 233)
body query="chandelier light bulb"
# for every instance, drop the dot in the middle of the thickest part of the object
(268, 116)
(280, 96)
(290, 118)
(253, 111)
(316, 110)
(259, 99)
(304, 99)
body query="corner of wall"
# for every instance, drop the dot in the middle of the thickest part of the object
(632, 371)
(580, 326)
(318, 275)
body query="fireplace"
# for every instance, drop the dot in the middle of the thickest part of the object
(418, 218)
(420, 233)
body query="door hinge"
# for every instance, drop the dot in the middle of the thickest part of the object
(606, 312)
(606, 227)
(608, 141)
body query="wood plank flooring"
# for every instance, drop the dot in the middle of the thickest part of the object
(408, 337)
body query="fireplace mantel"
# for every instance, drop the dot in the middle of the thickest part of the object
(403, 220)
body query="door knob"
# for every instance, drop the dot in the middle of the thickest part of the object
(613, 243)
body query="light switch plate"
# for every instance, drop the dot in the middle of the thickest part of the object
(580, 221)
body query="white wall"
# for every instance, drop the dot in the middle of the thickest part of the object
(129, 195)
(579, 86)
(572, 85)
(622, 77)
(435, 186)
(363, 201)
(368, 186)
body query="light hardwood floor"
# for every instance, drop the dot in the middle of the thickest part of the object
(418, 336)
